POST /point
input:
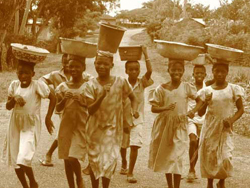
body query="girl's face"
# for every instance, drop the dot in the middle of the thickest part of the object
(220, 73)
(176, 71)
(25, 74)
(103, 65)
(76, 68)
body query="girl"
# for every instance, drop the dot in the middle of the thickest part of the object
(169, 133)
(216, 140)
(104, 129)
(24, 97)
(71, 137)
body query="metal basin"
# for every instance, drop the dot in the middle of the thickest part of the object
(223, 52)
(78, 47)
(177, 50)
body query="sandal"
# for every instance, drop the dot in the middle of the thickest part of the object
(191, 177)
(124, 171)
(45, 163)
(131, 179)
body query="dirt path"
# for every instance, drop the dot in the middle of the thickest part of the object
(55, 177)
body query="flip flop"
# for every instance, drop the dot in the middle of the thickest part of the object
(45, 163)
(191, 177)
(124, 171)
(131, 179)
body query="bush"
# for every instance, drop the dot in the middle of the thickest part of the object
(186, 33)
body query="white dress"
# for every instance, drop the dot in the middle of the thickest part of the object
(169, 138)
(216, 141)
(25, 123)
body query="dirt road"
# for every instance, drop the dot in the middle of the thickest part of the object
(54, 177)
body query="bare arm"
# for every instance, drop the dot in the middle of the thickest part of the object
(148, 63)
(198, 106)
(159, 109)
(134, 104)
(61, 101)
(93, 106)
(239, 113)
(52, 104)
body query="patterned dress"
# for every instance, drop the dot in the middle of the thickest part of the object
(71, 136)
(105, 128)
(25, 123)
(216, 141)
(169, 136)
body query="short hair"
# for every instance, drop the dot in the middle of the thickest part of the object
(129, 62)
(26, 64)
(199, 66)
(172, 62)
(77, 58)
(225, 65)
(110, 58)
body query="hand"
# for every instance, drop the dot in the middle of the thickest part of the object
(208, 96)
(228, 123)
(191, 114)
(106, 89)
(171, 106)
(49, 124)
(76, 97)
(136, 115)
(68, 95)
(19, 100)
(144, 51)
(126, 130)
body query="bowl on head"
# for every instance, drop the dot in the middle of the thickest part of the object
(223, 52)
(178, 50)
(110, 37)
(29, 53)
(78, 47)
(130, 53)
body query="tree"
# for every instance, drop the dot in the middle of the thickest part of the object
(231, 11)
(199, 11)
(65, 13)
(7, 13)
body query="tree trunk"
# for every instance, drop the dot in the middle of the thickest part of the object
(25, 17)
(16, 27)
